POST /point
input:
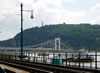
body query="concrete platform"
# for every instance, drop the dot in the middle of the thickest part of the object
(13, 69)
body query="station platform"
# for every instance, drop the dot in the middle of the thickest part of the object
(13, 69)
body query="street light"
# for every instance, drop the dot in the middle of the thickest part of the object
(32, 15)
(22, 27)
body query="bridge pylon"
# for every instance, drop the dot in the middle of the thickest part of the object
(57, 43)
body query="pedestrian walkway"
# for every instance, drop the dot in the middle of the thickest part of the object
(13, 69)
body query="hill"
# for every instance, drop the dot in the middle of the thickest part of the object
(77, 36)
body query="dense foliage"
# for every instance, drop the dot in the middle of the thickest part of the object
(77, 36)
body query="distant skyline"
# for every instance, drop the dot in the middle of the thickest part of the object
(48, 11)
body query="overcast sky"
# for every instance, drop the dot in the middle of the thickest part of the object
(48, 11)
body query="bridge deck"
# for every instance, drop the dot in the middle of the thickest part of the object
(13, 69)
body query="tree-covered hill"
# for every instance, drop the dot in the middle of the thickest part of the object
(77, 36)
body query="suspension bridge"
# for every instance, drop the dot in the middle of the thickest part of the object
(51, 56)
(56, 44)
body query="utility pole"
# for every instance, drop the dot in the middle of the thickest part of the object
(21, 31)
(22, 27)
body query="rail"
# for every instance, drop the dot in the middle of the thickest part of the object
(52, 68)
(66, 59)
(9, 71)
(26, 68)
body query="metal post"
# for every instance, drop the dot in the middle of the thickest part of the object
(72, 58)
(66, 59)
(95, 59)
(83, 64)
(79, 59)
(21, 31)
(34, 56)
(43, 58)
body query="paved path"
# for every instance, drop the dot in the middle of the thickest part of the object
(13, 69)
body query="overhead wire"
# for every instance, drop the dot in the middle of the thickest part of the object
(14, 12)
(8, 16)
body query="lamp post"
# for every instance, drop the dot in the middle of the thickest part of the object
(22, 27)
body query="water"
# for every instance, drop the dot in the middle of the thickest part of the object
(46, 57)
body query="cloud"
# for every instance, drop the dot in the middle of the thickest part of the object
(12, 7)
(96, 20)
(96, 8)
(8, 8)
(59, 16)
(50, 11)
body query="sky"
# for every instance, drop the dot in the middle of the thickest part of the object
(48, 11)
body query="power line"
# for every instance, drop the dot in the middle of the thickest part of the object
(24, 4)
(5, 19)
(18, 1)
(10, 15)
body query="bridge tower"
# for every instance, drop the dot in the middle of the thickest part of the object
(57, 43)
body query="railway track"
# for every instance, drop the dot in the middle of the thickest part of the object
(41, 68)
(8, 71)
(26, 68)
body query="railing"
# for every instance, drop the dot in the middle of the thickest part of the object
(43, 68)
(90, 60)
(26, 68)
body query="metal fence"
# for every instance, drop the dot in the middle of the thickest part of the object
(84, 60)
